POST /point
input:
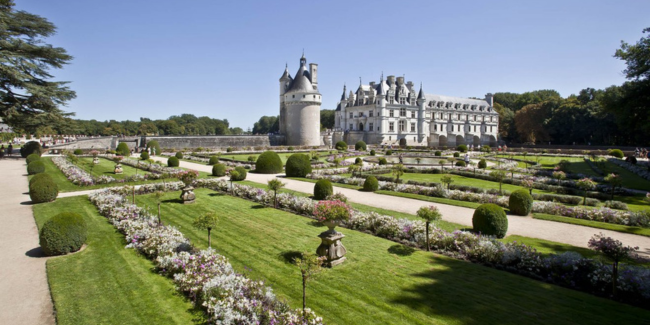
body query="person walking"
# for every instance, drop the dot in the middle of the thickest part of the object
(10, 150)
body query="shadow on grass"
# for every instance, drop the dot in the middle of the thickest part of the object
(289, 257)
(401, 250)
(216, 194)
(177, 201)
(258, 206)
(316, 224)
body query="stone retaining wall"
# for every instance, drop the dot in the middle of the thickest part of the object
(217, 141)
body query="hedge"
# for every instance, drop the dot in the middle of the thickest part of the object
(268, 163)
(298, 165)
(64, 233)
(490, 219)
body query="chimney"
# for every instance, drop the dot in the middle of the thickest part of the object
(313, 72)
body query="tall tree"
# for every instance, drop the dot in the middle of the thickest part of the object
(28, 98)
(637, 58)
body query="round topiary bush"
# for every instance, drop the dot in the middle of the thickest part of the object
(389, 152)
(122, 149)
(144, 155)
(154, 146)
(229, 149)
(323, 189)
(30, 148)
(382, 161)
(438, 153)
(32, 158)
(64, 233)
(490, 219)
(370, 184)
(456, 154)
(482, 163)
(42, 189)
(213, 160)
(242, 173)
(360, 145)
(173, 162)
(35, 167)
(372, 152)
(460, 163)
(341, 146)
(219, 170)
(268, 163)
(462, 148)
(631, 160)
(616, 153)
(80, 152)
(521, 202)
(298, 165)
(358, 161)
(179, 155)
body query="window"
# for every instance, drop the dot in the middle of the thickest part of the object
(402, 112)
(442, 127)
(402, 126)
(402, 100)
(490, 128)
(370, 126)
(412, 127)
(474, 126)
(370, 113)
(412, 114)
(435, 127)
(391, 126)
(452, 128)
(391, 113)
(350, 114)
(392, 100)
(293, 96)
(474, 119)
(490, 118)
(351, 126)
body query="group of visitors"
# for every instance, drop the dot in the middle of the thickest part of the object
(641, 153)
(6, 151)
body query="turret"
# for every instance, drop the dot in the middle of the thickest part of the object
(301, 107)
(313, 71)
(489, 98)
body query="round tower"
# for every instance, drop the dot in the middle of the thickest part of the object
(302, 103)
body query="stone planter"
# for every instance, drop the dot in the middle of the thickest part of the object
(187, 195)
(118, 169)
(96, 160)
(331, 246)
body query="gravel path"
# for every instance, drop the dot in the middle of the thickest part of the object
(24, 292)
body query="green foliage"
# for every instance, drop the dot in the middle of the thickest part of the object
(490, 219)
(122, 149)
(229, 149)
(460, 163)
(31, 158)
(240, 172)
(360, 145)
(252, 158)
(462, 148)
(456, 154)
(389, 152)
(341, 146)
(144, 155)
(398, 171)
(173, 162)
(486, 148)
(482, 164)
(298, 165)
(438, 153)
(154, 146)
(31, 147)
(358, 161)
(520, 202)
(429, 214)
(275, 185)
(268, 163)
(616, 153)
(64, 233)
(179, 155)
(372, 152)
(35, 167)
(219, 170)
(447, 179)
(322, 189)
(213, 160)
(43, 189)
(290, 148)
(370, 184)
(79, 151)
(382, 161)
(206, 221)
(266, 124)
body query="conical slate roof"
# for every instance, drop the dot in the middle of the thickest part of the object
(302, 83)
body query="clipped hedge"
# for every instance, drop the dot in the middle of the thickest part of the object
(268, 163)
(32, 158)
(372, 152)
(616, 153)
(382, 161)
(389, 152)
(456, 154)
(460, 163)
(64, 233)
(242, 173)
(42, 189)
(122, 149)
(482, 164)
(35, 167)
(80, 152)
(154, 146)
(173, 162)
(358, 161)
(213, 160)
(341, 146)
(219, 170)
(30, 148)
(322, 189)
(179, 155)
(462, 148)
(370, 184)
(490, 219)
(144, 155)
(360, 145)
(521, 202)
(298, 165)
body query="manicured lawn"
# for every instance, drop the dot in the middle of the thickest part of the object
(107, 168)
(547, 161)
(547, 247)
(630, 179)
(595, 224)
(107, 283)
(381, 282)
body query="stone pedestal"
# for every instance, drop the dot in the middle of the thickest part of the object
(95, 160)
(118, 169)
(187, 195)
(331, 247)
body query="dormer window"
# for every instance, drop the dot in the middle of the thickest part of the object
(457, 106)
(402, 100)
(391, 101)
(448, 105)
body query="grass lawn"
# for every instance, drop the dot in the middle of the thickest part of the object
(547, 161)
(595, 224)
(381, 282)
(547, 247)
(630, 179)
(106, 168)
(107, 283)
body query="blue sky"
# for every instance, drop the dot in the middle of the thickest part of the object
(223, 59)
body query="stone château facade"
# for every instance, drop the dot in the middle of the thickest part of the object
(392, 112)
(300, 104)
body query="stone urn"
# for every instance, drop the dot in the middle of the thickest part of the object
(118, 169)
(96, 160)
(187, 194)
(331, 246)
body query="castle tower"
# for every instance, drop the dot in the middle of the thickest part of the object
(300, 106)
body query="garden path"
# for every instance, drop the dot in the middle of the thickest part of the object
(24, 291)
(575, 235)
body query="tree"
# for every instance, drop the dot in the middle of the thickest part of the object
(309, 265)
(275, 185)
(266, 124)
(530, 121)
(615, 181)
(159, 195)
(585, 184)
(637, 58)
(207, 221)
(28, 98)
(429, 214)
(398, 170)
(446, 179)
(327, 118)
(614, 250)
(499, 176)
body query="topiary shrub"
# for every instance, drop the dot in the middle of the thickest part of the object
(241, 174)
(298, 165)
(461, 163)
(219, 170)
(35, 167)
(341, 146)
(358, 161)
(42, 188)
(64, 233)
(616, 153)
(370, 184)
(482, 163)
(372, 152)
(32, 158)
(173, 162)
(631, 160)
(122, 149)
(323, 189)
(382, 161)
(438, 153)
(179, 155)
(229, 149)
(268, 163)
(490, 219)
(360, 145)
(456, 154)
(30, 148)
(290, 148)
(213, 160)
(389, 152)
(144, 155)
(154, 146)
(521, 202)
(80, 152)
(462, 148)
